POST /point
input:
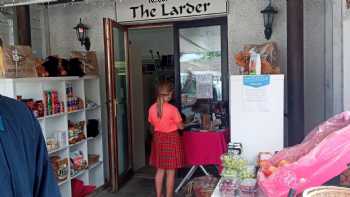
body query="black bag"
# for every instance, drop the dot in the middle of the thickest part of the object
(92, 128)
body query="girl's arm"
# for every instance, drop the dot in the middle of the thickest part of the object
(151, 128)
(178, 120)
(180, 126)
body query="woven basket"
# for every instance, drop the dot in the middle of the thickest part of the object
(201, 187)
(327, 191)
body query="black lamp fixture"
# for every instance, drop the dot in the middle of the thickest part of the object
(268, 14)
(81, 30)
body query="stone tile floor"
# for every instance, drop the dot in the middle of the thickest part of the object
(141, 185)
(137, 187)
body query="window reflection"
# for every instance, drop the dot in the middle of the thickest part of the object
(200, 75)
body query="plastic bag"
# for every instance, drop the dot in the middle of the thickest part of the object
(319, 133)
(323, 154)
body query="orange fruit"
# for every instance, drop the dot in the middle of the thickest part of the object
(283, 163)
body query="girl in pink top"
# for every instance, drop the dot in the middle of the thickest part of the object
(167, 150)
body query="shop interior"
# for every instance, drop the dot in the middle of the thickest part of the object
(151, 55)
(152, 58)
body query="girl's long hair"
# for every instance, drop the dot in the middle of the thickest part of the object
(163, 87)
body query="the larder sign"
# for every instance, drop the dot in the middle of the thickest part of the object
(144, 10)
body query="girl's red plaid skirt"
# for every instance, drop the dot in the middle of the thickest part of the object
(167, 151)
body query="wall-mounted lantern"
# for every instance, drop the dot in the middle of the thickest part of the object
(268, 14)
(81, 30)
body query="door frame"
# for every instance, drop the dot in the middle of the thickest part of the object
(295, 72)
(116, 180)
(218, 21)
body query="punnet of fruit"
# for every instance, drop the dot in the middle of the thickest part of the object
(236, 167)
(269, 169)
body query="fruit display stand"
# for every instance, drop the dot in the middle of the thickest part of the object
(237, 177)
(62, 107)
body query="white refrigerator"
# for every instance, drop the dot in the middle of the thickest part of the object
(257, 113)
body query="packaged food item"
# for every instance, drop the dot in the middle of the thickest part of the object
(52, 144)
(236, 167)
(237, 148)
(248, 186)
(60, 167)
(254, 63)
(62, 136)
(228, 186)
(76, 132)
(74, 103)
(268, 56)
(39, 106)
(263, 156)
(78, 163)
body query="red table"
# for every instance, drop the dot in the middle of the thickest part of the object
(203, 148)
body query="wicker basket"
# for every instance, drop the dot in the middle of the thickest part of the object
(200, 187)
(327, 191)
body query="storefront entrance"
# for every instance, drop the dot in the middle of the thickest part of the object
(193, 55)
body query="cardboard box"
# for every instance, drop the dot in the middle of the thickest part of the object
(18, 61)
(89, 60)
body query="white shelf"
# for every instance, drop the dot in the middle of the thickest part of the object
(95, 165)
(79, 174)
(63, 182)
(54, 115)
(41, 118)
(93, 138)
(76, 111)
(88, 89)
(78, 143)
(58, 150)
(93, 108)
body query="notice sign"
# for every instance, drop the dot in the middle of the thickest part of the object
(204, 86)
(144, 10)
(256, 97)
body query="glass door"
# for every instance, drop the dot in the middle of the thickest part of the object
(202, 74)
(118, 102)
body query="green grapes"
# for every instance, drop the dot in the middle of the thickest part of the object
(236, 166)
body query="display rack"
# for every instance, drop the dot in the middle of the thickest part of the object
(87, 88)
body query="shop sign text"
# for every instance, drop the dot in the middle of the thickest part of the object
(143, 10)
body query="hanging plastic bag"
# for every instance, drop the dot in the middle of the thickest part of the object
(323, 154)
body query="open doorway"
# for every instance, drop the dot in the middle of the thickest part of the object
(165, 51)
(151, 55)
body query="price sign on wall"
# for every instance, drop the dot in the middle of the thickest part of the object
(148, 10)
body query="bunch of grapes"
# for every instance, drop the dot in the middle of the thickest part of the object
(233, 162)
(246, 174)
(236, 166)
(230, 173)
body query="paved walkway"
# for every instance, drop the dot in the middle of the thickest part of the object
(137, 187)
